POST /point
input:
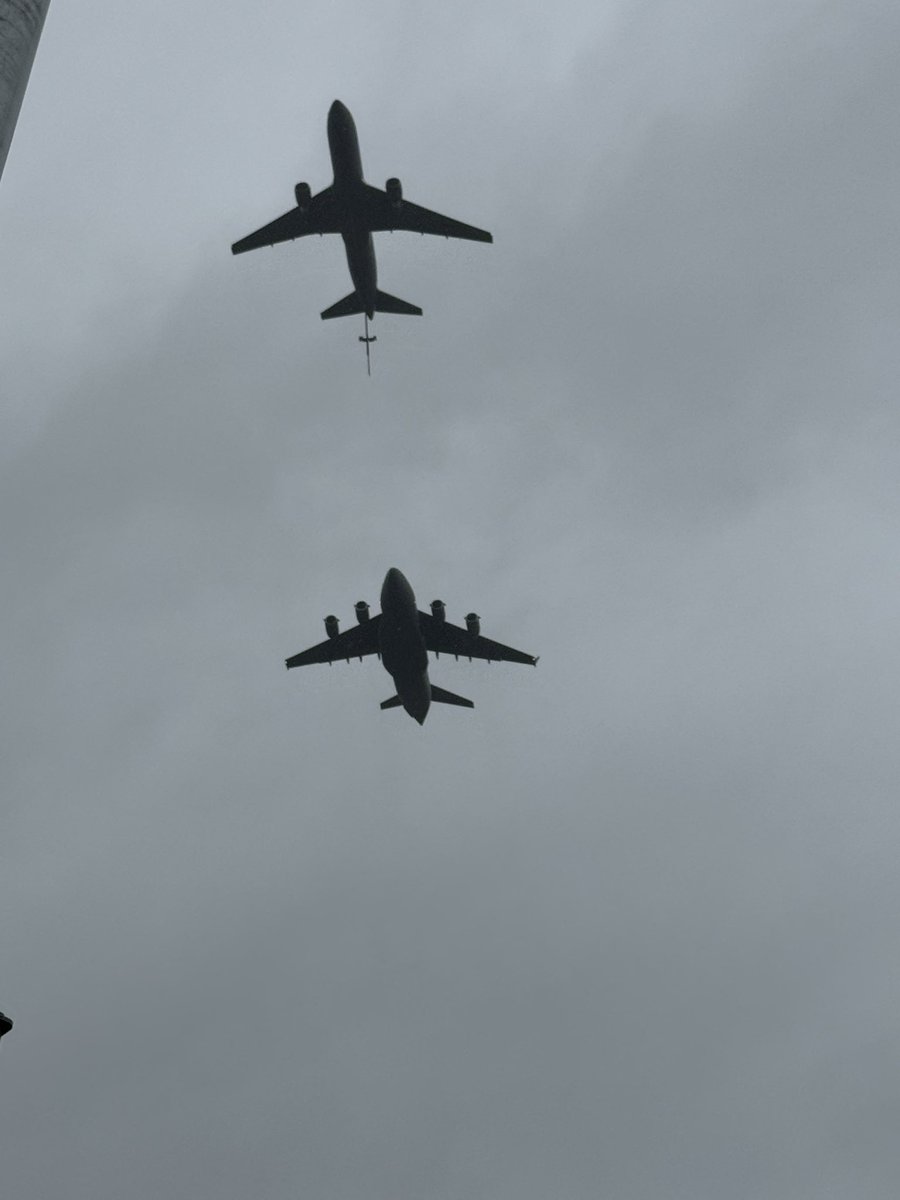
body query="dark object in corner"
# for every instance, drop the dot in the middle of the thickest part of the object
(5, 1024)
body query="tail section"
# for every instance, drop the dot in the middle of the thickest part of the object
(392, 304)
(440, 696)
(352, 304)
(394, 702)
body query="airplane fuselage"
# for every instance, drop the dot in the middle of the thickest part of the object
(402, 645)
(346, 162)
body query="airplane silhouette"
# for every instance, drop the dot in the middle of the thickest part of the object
(401, 636)
(356, 210)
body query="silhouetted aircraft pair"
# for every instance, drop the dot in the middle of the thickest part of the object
(400, 635)
(356, 210)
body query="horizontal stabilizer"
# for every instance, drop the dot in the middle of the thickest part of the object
(352, 304)
(391, 304)
(439, 696)
(394, 702)
(344, 308)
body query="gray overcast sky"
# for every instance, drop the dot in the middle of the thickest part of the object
(628, 930)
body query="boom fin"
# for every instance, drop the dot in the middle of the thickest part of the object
(394, 702)
(440, 696)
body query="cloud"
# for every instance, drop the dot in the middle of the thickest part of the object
(624, 929)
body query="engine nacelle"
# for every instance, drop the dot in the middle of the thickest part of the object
(473, 623)
(303, 195)
(331, 626)
(438, 611)
(362, 611)
(394, 189)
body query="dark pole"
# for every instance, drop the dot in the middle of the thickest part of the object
(21, 22)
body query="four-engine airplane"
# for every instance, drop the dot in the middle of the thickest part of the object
(401, 636)
(356, 210)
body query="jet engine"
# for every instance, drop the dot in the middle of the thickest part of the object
(362, 611)
(473, 623)
(438, 610)
(331, 626)
(394, 189)
(303, 196)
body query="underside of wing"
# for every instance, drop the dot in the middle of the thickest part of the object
(353, 643)
(384, 214)
(441, 637)
(320, 216)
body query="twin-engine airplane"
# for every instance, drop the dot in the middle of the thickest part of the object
(356, 210)
(401, 636)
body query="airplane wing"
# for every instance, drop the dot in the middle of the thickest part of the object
(383, 215)
(443, 638)
(353, 643)
(320, 216)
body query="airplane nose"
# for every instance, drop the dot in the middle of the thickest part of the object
(390, 586)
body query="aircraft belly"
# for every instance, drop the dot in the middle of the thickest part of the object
(402, 648)
(399, 636)
(415, 695)
(361, 264)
